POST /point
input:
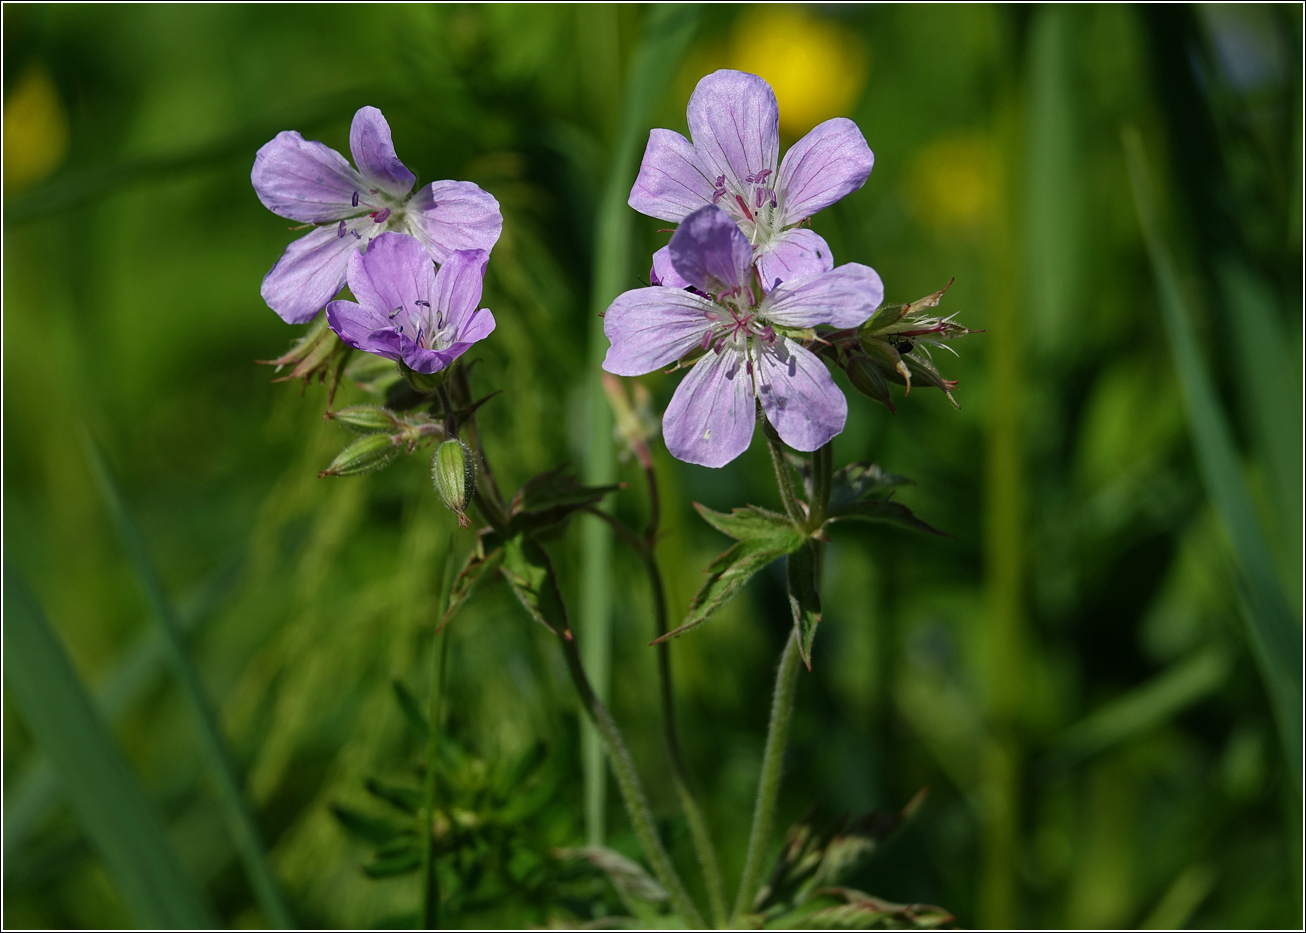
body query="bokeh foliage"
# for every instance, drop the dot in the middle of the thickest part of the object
(1070, 675)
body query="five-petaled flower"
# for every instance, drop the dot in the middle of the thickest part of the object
(732, 163)
(409, 312)
(711, 416)
(307, 181)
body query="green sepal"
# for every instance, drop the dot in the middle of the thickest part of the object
(529, 573)
(867, 379)
(795, 333)
(365, 455)
(859, 480)
(887, 511)
(423, 382)
(804, 597)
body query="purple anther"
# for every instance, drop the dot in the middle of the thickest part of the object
(707, 338)
(396, 311)
(760, 196)
(773, 199)
(357, 235)
(422, 302)
(355, 199)
(720, 181)
(718, 194)
(768, 334)
(340, 231)
(761, 176)
(381, 216)
(776, 285)
(748, 367)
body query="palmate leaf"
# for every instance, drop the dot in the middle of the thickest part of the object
(754, 524)
(861, 480)
(551, 497)
(530, 576)
(886, 511)
(804, 597)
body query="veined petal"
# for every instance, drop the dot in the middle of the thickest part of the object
(828, 163)
(392, 277)
(653, 327)
(309, 273)
(453, 215)
(477, 326)
(734, 122)
(304, 180)
(663, 272)
(363, 329)
(671, 181)
(374, 154)
(710, 251)
(798, 394)
(792, 254)
(458, 286)
(842, 298)
(710, 419)
(421, 360)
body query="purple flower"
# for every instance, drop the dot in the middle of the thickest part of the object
(733, 119)
(747, 353)
(307, 181)
(407, 311)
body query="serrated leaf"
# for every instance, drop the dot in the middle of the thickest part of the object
(407, 799)
(725, 577)
(529, 573)
(755, 525)
(887, 511)
(861, 479)
(367, 828)
(552, 496)
(804, 597)
(395, 865)
(412, 710)
(474, 570)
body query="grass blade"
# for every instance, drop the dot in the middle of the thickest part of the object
(667, 34)
(240, 822)
(122, 822)
(1274, 629)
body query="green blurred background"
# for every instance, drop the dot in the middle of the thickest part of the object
(1070, 675)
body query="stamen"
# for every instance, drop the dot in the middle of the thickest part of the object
(707, 338)
(380, 217)
(340, 231)
(773, 200)
(718, 194)
(744, 207)
(355, 199)
(761, 176)
(720, 181)
(396, 311)
(357, 235)
(748, 367)
(424, 304)
(711, 315)
(761, 195)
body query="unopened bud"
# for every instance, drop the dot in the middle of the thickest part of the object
(423, 382)
(867, 379)
(365, 419)
(453, 473)
(364, 455)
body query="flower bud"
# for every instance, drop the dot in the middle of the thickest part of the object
(453, 473)
(423, 382)
(365, 419)
(364, 455)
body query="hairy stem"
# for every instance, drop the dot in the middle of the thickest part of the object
(782, 707)
(632, 794)
(822, 476)
(783, 479)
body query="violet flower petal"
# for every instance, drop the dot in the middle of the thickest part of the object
(798, 394)
(308, 274)
(828, 163)
(304, 180)
(734, 121)
(671, 183)
(711, 253)
(842, 298)
(458, 287)
(711, 416)
(363, 329)
(374, 154)
(792, 254)
(453, 215)
(650, 328)
(394, 273)
(663, 272)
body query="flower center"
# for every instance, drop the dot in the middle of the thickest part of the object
(382, 213)
(733, 322)
(425, 326)
(756, 209)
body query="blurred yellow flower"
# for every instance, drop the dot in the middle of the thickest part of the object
(952, 184)
(816, 68)
(35, 130)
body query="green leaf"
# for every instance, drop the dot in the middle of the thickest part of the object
(530, 575)
(887, 511)
(850, 909)
(756, 525)
(804, 597)
(474, 569)
(407, 799)
(522, 769)
(412, 710)
(861, 479)
(395, 865)
(636, 887)
(367, 828)
(552, 496)
(121, 821)
(1274, 629)
(726, 576)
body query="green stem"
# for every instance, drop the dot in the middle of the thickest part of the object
(623, 768)
(783, 478)
(431, 884)
(782, 708)
(822, 476)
